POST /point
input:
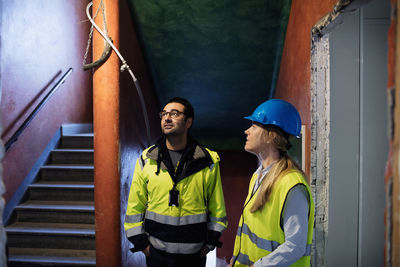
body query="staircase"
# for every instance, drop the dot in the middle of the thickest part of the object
(54, 223)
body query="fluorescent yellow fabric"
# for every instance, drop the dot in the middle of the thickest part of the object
(201, 198)
(260, 232)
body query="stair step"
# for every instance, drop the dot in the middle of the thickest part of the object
(51, 235)
(66, 173)
(58, 205)
(51, 228)
(71, 156)
(55, 211)
(77, 141)
(61, 184)
(49, 191)
(55, 223)
(53, 252)
(37, 261)
(76, 128)
(55, 257)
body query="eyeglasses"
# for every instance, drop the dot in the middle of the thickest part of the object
(174, 114)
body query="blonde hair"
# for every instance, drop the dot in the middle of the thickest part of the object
(280, 140)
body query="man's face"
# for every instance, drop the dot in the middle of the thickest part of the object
(175, 126)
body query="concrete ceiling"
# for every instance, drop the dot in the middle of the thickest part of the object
(223, 56)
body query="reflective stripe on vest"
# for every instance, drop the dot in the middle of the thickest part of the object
(215, 226)
(268, 245)
(260, 233)
(223, 220)
(175, 248)
(176, 221)
(135, 231)
(134, 218)
(243, 259)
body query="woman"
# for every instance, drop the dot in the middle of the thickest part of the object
(276, 225)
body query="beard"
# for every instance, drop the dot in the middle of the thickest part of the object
(175, 131)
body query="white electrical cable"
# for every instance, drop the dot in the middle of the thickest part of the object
(124, 66)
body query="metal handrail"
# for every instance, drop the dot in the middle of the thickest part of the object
(15, 136)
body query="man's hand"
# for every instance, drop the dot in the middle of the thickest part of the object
(146, 251)
(203, 251)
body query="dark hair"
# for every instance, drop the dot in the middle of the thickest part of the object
(188, 111)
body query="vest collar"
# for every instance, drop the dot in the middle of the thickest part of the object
(194, 158)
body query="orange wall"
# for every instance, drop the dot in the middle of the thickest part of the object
(293, 82)
(392, 223)
(106, 141)
(294, 77)
(40, 40)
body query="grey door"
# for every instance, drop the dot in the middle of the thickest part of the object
(358, 137)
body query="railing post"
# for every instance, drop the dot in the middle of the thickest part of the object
(106, 141)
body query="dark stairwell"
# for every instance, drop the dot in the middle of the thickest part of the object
(54, 224)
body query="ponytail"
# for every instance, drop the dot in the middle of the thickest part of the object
(278, 170)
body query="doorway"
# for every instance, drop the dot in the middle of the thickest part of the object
(355, 115)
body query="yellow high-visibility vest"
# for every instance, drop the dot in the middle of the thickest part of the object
(201, 203)
(261, 232)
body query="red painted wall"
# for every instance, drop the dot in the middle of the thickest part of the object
(40, 40)
(391, 183)
(294, 77)
(295, 71)
(237, 168)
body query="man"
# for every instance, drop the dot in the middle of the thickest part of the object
(176, 210)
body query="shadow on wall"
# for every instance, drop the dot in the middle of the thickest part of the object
(132, 125)
(13, 126)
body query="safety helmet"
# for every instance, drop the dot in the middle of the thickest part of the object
(279, 113)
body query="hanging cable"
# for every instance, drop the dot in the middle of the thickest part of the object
(107, 48)
(124, 66)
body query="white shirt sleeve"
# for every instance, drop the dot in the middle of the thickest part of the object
(295, 226)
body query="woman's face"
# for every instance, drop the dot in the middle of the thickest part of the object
(255, 142)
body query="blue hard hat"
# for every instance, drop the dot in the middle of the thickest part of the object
(279, 113)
